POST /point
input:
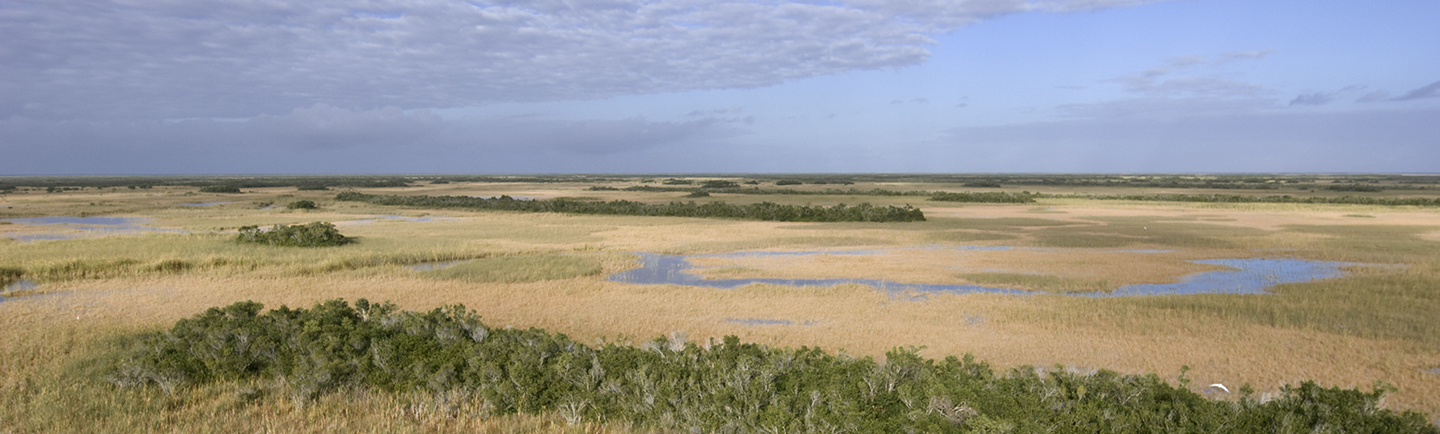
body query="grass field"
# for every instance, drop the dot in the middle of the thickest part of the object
(1376, 324)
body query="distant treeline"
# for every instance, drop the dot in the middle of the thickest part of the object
(1239, 198)
(759, 211)
(671, 385)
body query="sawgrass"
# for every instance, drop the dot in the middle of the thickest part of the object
(517, 269)
(1038, 282)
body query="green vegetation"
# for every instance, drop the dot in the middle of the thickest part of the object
(220, 189)
(10, 274)
(673, 385)
(301, 204)
(719, 184)
(317, 234)
(698, 194)
(788, 182)
(311, 187)
(759, 211)
(981, 184)
(515, 269)
(987, 197)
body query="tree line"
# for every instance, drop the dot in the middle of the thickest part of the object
(759, 211)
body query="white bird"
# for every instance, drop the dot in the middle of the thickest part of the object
(1221, 387)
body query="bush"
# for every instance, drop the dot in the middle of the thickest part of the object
(301, 204)
(673, 181)
(220, 189)
(670, 385)
(698, 194)
(311, 187)
(982, 184)
(719, 184)
(756, 211)
(788, 182)
(317, 234)
(991, 197)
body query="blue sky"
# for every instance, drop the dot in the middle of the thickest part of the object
(385, 86)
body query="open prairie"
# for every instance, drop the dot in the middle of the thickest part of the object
(1058, 266)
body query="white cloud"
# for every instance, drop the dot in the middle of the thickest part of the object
(239, 58)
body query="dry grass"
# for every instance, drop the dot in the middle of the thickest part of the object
(1294, 334)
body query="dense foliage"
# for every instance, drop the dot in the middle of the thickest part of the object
(301, 204)
(727, 386)
(986, 197)
(317, 234)
(220, 189)
(758, 211)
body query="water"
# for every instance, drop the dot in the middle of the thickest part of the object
(18, 285)
(1244, 276)
(85, 226)
(397, 217)
(203, 203)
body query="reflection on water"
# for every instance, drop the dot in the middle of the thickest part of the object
(75, 227)
(1245, 276)
(18, 285)
(432, 265)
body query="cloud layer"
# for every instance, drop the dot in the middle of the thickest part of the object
(239, 58)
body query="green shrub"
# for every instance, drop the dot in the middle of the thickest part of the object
(317, 234)
(673, 181)
(311, 187)
(220, 189)
(788, 182)
(671, 385)
(698, 194)
(982, 184)
(301, 204)
(988, 197)
(719, 184)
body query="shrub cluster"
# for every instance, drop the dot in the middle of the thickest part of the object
(672, 385)
(986, 197)
(220, 189)
(301, 204)
(317, 234)
(311, 187)
(758, 211)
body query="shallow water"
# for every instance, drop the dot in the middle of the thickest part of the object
(18, 285)
(397, 217)
(1245, 276)
(87, 226)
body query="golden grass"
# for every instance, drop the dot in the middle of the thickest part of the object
(118, 285)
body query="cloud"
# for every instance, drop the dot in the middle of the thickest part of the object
(1322, 98)
(238, 58)
(1431, 90)
(1161, 81)
(327, 139)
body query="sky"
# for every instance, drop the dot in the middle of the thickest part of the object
(682, 86)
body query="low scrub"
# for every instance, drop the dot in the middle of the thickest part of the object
(517, 269)
(317, 234)
(669, 384)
